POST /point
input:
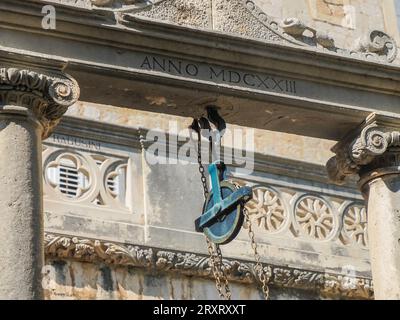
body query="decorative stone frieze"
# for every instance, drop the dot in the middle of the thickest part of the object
(46, 96)
(307, 216)
(153, 259)
(96, 250)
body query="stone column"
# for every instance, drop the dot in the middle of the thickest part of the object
(373, 152)
(31, 104)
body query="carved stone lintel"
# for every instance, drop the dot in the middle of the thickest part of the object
(327, 284)
(46, 96)
(369, 148)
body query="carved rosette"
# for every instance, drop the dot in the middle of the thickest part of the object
(46, 96)
(355, 224)
(267, 209)
(373, 149)
(315, 218)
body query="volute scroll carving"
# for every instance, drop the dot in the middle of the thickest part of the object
(46, 96)
(369, 149)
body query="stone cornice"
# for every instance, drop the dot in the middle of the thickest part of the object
(364, 149)
(164, 32)
(47, 96)
(155, 259)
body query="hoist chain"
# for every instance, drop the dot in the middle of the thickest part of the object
(216, 262)
(258, 268)
(221, 281)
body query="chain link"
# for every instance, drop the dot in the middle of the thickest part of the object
(221, 281)
(201, 168)
(223, 277)
(216, 263)
(260, 272)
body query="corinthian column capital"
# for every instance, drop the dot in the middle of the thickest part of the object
(373, 152)
(369, 151)
(45, 96)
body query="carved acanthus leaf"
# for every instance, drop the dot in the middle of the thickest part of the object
(96, 251)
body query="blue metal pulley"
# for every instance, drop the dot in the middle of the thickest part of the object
(222, 216)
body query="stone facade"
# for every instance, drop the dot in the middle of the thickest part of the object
(117, 227)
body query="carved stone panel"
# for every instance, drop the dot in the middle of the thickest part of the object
(90, 178)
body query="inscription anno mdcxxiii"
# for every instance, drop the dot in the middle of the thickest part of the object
(219, 74)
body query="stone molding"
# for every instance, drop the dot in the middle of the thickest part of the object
(46, 96)
(155, 259)
(372, 147)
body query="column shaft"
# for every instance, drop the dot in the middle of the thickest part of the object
(21, 214)
(384, 235)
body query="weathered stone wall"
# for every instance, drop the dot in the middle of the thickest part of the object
(120, 227)
(168, 199)
(76, 280)
(312, 150)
